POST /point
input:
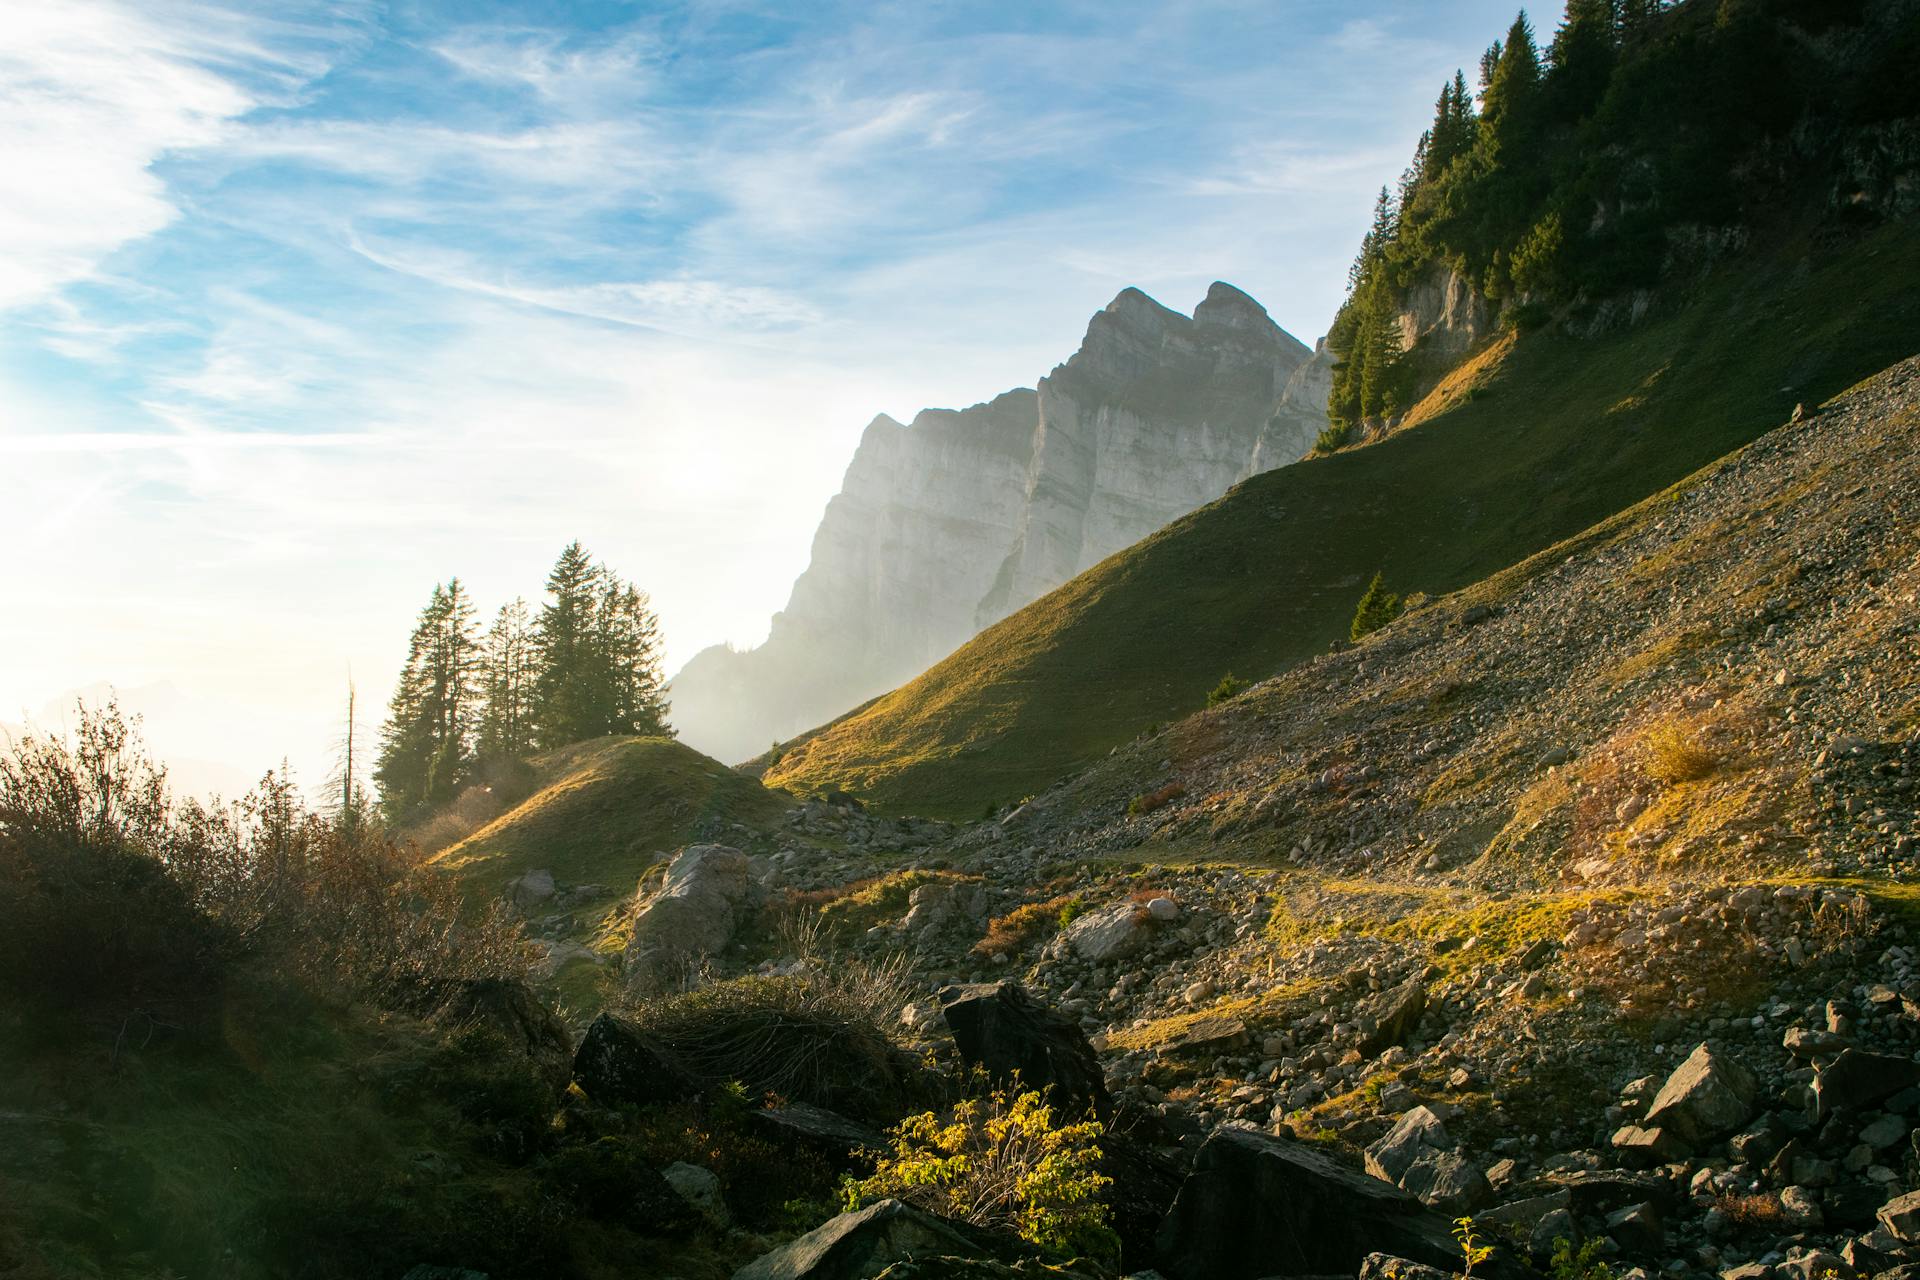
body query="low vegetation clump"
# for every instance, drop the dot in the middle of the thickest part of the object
(1027, 923)
(813, 1038)
(1332, 437)
(1677, 752)
(1578, 1262)
(1001, 1162)
(1757, 1211)
(845, 910)
(1158, 798)
(1229, 688)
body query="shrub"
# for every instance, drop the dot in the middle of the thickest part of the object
(811, 1039)
(1229, 688)
(1582, 1263)
(1159, 798)
(1676, 753)
(1025, 923)
(113, 896)
(1332, 437)
(1376, 609)
(1000, 1162)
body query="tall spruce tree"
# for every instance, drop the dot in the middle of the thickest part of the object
(426, 743)
(567, 683)
(630, 641)
(1509, 108)
(1580, 60)
(506, 684)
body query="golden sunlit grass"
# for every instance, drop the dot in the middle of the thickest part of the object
(1677, 752)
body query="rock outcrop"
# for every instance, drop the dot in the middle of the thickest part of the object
(998, 1027)
(693, 915)
(947, 524)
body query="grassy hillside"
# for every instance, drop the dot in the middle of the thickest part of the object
(602, 809)
(1550, 439)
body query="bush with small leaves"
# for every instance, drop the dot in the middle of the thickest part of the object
(1229, 688)
(1001, 1162)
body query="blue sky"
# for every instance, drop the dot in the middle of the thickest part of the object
(307, 307)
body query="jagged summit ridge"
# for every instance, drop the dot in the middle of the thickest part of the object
(946, 524)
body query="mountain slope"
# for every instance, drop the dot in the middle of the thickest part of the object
(1556, 436)
(1723, 679)
(950, 523)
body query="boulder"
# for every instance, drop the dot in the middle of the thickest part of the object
(1522, 1214)
(1857, 1079)
(999, 1027)
(1600, 1191)
(1637, 1229)
(1901, 1215)
(1394, 1014)
(1418, 1157)
(862, 1244)
(1111, 933)
(827, 1133)
(1256, 1205)
(1707, 1096)
(618, 1063)
(1641, 1147)
(1384, 1266)
(700, 1188)
(693, 915)
(531, 889)
(1418, 1130)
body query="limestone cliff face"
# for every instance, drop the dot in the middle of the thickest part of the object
(945, 525)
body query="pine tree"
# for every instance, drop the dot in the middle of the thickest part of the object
(1581, 58)
(506, 680)
(426, 742)
(1636, 16)
(1377, 608)
(630, 641)
(569, 669)
(1508, 110)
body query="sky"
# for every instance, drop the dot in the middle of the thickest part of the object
(307, 307)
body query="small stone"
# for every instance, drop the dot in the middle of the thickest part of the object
(699, 1188)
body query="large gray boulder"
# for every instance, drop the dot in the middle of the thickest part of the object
(1708, 1096)
(692, 916)
(1256, 1205)
(1111, 933)
(1418, 1156)
(862, 1244)
(998, 1027)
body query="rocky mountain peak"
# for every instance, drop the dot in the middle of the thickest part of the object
(948, 524)
(1227, 305)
